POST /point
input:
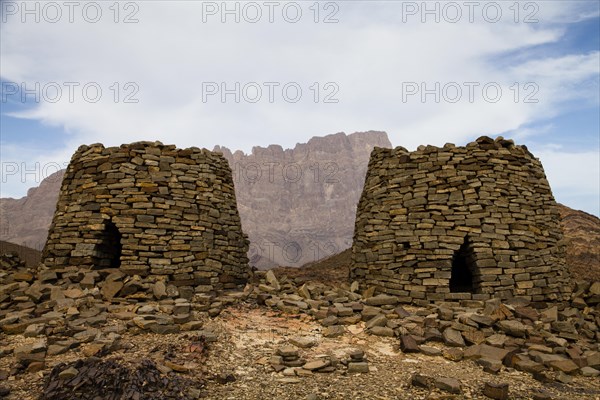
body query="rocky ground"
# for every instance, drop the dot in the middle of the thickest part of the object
(582, 237)
(285, 338)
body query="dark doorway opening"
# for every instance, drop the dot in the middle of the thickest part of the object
(109, 249)
(463, 268)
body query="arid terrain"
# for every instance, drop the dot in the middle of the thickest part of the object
(582, 234)
(296, 337)
(290, 333)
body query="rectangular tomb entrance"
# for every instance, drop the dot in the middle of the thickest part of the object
(109, 248)
(464, 270)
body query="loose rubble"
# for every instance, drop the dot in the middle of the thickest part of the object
(93, 378)
(347, 331)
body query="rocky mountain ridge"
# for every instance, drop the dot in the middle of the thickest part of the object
(297, 205)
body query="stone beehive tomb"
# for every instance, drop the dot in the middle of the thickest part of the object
(457, 223)
(150, 209)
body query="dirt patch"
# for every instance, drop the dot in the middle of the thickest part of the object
(334, 270)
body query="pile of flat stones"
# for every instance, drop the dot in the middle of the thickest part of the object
(47, 301)
(290, 363)
(551, 341)
(94, 378)
(13, 269)
(64, 311)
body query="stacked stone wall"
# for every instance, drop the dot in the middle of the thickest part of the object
(150, 209)
(486, 208)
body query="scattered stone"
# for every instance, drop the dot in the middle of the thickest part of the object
(272, 279)
(453, 338)
(489, 365)
(159, 290)
(401, 312)
(589, 371)
(550, 314)
(513, 328)
(482, 320)
(450, 385)
(408, 344)
(357, 355)
(34, 330)
(289, 380)
(381, 300)
(287, 351)
(382, 331)
(303, 342)
(68, 373)
(318, 364)
(176, 366)
(528, 366)
(378, 320)
(334, 331)
(110, 289)
(358, 367)
(566, 366)
(192, 326)
(473, 336)
(422, 381)
(453, 354)
(430, 351)
(541, 394)
(497, 391)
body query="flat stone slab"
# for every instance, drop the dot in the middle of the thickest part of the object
(450, 385)
(287, 351)
(334, 331)
(453, 337)
(315, 365)
(497, 391)
(382, 331)
(304, 342)
(358, 367)
(513, 328)
(382, 300)
(408, 344)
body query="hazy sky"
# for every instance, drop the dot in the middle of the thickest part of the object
(241, 74)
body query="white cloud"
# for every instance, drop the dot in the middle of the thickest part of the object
(369, 55)
(573, 176)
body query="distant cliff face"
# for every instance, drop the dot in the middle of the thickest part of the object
(25, 221)
(582, 234)
(298, 205)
